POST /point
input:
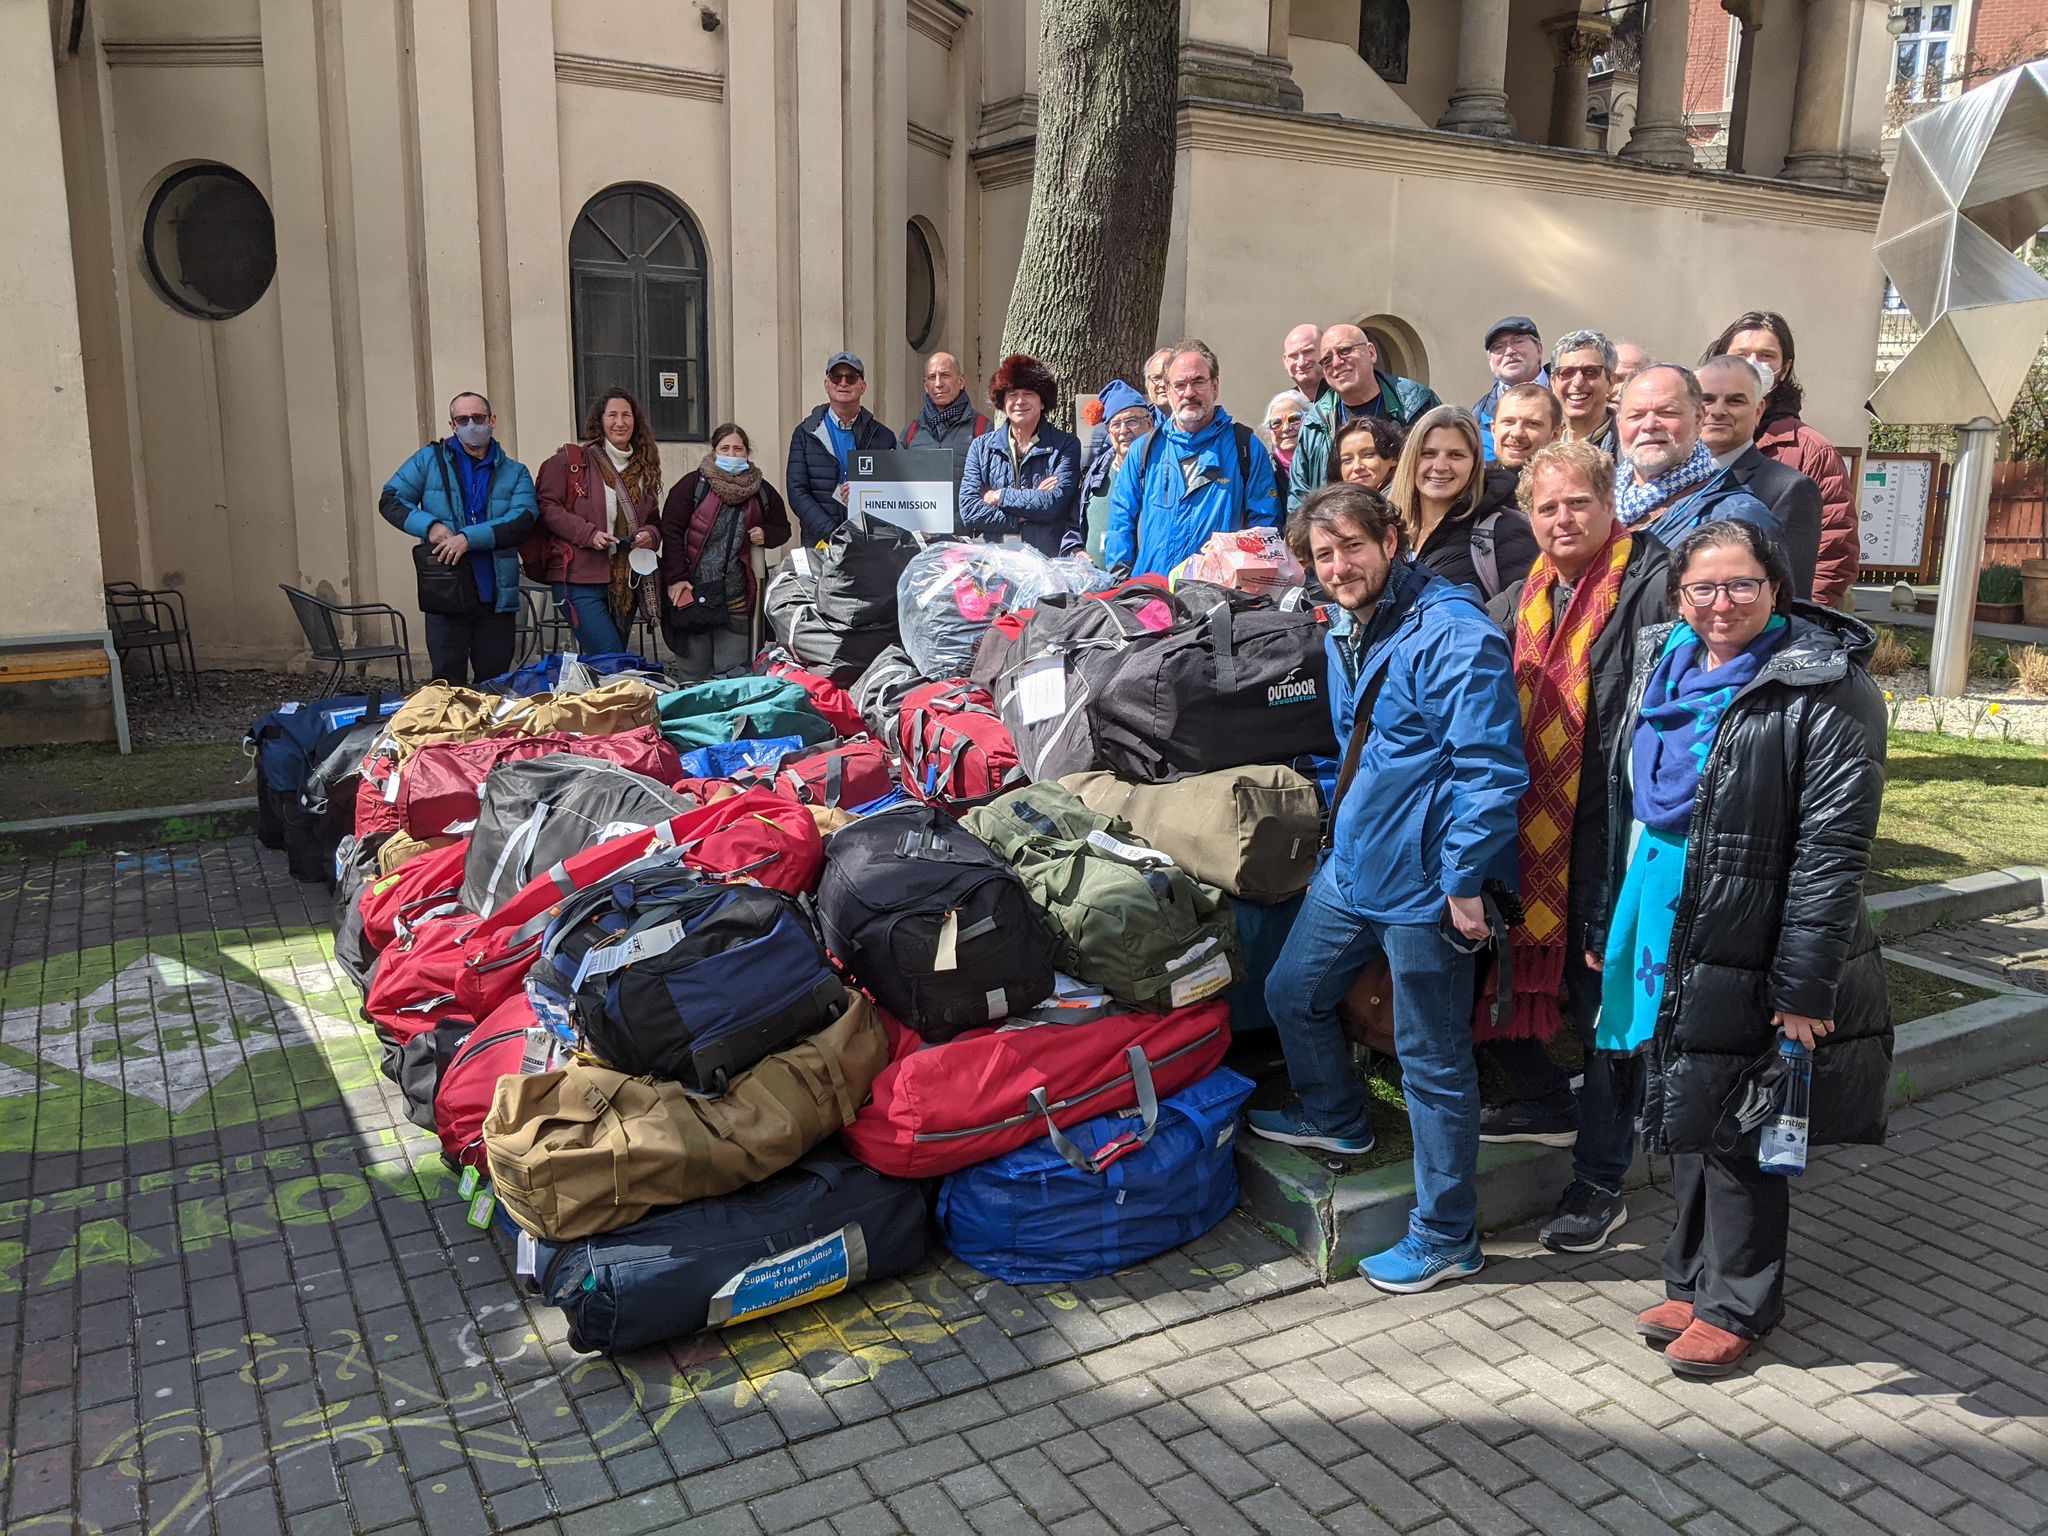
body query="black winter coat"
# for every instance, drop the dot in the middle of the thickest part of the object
(1496, 523)
(1771, 915)
(1589, 892)
(813, 471)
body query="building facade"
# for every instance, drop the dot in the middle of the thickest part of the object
(259, 244)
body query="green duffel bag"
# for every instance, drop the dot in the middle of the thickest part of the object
(1252, 832)
(739, 708)
(1122, 916)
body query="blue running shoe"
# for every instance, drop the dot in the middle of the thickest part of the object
(1412, 1265)
(1290, 1127)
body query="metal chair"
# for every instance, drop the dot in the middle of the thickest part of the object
(542, 629)
(320, 621)
(153, 620)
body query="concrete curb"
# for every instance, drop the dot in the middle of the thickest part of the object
(148, 827)
(1333, 1218)
(1901, 914)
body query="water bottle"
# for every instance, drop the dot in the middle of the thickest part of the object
(1782, 1145)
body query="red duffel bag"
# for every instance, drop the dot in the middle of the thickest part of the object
(754, 835)
(827, 697)
(440, 783)
(377, 791)
(417, 887)
(956, 751)
(416, 973)
(470, 1080)
(844, 774)
(939, 1108)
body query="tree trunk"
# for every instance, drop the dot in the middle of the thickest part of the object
(1086, 302)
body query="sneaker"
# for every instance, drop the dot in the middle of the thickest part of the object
(1533, 1120)
(1291, 1128)
(1586, 1217)
(1412, 1265)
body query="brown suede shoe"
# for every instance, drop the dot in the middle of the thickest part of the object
(1706, 1352)
(1664, 1322)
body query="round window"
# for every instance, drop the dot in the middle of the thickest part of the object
(921, 297)
(209, 242)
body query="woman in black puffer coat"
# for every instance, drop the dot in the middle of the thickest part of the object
(1768, 935)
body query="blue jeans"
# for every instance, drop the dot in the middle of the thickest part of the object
(588, 609)
(1324, 953)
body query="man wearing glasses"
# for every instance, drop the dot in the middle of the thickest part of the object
(1356, 388)
(1514, 355)
(1582, 376)
(821, 448)
(470, 505)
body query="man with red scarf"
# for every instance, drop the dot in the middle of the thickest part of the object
(1574, 621)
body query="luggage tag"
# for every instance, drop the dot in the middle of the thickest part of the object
(527, 1265)
(1133, 853)
(1041, 689)
(481, 1209)
(818, 1269)
(466, 1185)
(602, 960)
(1205, 980)
(290, 709)
(801, 559)
(947, 956)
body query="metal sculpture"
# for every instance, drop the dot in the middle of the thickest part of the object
(1969, 185)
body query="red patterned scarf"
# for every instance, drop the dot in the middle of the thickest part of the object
(1554, 680)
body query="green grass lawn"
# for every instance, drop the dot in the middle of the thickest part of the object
(67, 781)
(1954, 807)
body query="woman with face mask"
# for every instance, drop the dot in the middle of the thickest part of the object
(715, 517)
(598, 499)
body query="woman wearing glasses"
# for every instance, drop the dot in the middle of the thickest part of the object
(1753, 776)
(1281, 431)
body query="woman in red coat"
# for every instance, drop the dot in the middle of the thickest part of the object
(597, 501)
(1763, 336)
(714, 519)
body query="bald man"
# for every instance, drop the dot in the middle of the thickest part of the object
(1300, 357)
(948, 420)
(1357, 387)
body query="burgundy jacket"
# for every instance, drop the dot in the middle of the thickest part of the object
(1789, 441)
(684, 531)
(574, 518)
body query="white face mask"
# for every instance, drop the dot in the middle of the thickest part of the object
(731, 465)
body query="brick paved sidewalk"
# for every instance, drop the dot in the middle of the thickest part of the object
(236, 1294)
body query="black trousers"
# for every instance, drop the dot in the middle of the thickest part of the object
(1727, 1250)
(1533, 1078)
(467, 650)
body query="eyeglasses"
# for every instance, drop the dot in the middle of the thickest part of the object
(1590, 371)
(470, 421)
(842, 379)
(1742, 591)
(1342, 354)
(1275, 423)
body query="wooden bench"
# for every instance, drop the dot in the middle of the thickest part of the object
(61, 688)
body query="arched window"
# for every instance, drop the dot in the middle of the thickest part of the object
(640, 310)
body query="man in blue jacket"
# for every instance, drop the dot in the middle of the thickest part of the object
(470, 505)
(1198, 474)
(821, 448)
(1424, 817)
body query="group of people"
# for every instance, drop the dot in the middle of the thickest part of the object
(1590, 673)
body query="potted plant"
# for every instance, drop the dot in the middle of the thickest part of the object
(1999, 594)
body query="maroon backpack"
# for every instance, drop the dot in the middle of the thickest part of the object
(955, 750)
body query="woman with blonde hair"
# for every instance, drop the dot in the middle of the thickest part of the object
(1438, 490)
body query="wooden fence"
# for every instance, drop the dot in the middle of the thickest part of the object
(2018, 529)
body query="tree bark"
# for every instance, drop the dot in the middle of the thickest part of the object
(1086, 301)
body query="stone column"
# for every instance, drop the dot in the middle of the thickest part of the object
(1236, 50)
(1574, 39)
(1479, 103)
(1746, 12)
(1659, 137)
(1845, 48)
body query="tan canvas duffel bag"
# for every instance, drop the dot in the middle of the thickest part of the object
(586, 1150)
(1252, 831)
(441, 712)
(623, 704)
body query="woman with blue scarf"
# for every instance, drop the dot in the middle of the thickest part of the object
(1755, 770)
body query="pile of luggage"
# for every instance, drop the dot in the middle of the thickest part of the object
(734, 995)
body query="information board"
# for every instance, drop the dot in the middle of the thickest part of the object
(1894, 496)
(910, 487)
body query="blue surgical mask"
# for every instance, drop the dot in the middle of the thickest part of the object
(729, 465)
(474, 434)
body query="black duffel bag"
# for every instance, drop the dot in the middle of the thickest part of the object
(931, 922)
(857, 573)
(791, 609)
(822, 1226)
(1235, 686)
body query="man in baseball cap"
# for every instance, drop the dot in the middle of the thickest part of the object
(823, 445)
(1514, 355)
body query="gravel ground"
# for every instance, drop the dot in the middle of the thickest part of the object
(229, 702)
(2021, 716)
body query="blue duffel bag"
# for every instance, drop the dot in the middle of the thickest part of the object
(545, 675)
(1261, 935)
(817, 1228)
(284, 742)
(723, 759)
(1105, 1195)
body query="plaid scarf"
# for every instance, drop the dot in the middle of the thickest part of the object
(1636, 499)
(1554, 681)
